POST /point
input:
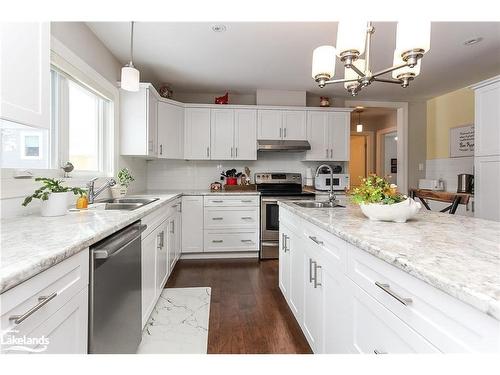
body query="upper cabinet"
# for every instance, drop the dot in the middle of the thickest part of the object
(25, 72)
(487, 117)
(234, 134)
(197, 134)
(138, 120)
(328, 133)
(170, 130)
(276, 124)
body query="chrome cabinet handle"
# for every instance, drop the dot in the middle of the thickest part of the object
(231, 152)
(316, 284)
(42, 301)
(246, 201)
(161, 149)
(246, 218)
(287, 248)
(217, 241)
(315, 240)
(387, 288)
(217, 201)
(281, 132)
(283, 241)
(247, 241)
(310, 270)
(173, 227)
(284, 133)
(331, 153)
(236, 152)
(161, 237)
(326, 156)
(208, 152)
(217, 218)
(376, 351)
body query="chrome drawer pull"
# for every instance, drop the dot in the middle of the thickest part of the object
(42, 301)
(217, 218)
(246, 241)
(246, 218)
(387, 288)
(217, 241)
(316, 284)
(379, 352)
(217, 201)
(246, 201)
(310, 270)
(318, 242)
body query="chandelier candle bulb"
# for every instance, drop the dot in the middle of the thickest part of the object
(323, 66)
(351, 37)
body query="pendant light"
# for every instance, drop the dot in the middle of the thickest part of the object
(359, 126)
(130, 75)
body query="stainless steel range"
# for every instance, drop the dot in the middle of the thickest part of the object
(274, 187)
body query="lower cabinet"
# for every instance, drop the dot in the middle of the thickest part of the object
(192, 230)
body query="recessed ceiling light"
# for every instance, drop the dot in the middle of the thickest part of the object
(472, 41)
(219, 28)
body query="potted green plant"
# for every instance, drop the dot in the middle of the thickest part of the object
(54, 196)
(380, 200)
(124, 179)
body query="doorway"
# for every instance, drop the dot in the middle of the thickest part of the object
(358, 159)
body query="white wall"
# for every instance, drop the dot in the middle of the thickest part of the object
(183, 174)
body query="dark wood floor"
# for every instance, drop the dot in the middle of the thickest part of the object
(248, 313)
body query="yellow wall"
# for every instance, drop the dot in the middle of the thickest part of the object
(444, 112)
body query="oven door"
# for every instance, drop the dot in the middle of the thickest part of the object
(269, 219)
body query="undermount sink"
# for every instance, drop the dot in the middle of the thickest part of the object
(318, 204)
(125, 204)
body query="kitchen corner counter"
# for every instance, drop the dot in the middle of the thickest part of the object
(456, 254)
(32, 244)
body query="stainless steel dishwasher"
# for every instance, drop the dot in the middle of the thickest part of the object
(115, 292)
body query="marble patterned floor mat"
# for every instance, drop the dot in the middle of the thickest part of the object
(178, 323)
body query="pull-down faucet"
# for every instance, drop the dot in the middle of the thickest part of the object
(331, 195)
(93, 193)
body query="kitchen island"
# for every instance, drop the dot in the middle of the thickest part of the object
(437, 272)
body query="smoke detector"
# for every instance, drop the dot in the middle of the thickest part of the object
(219, 28)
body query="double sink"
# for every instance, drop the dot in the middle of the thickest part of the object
(318, 204)
(125, 204)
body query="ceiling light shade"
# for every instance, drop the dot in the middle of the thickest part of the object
(351, 36)
(323, 64)
(359, 128)
(413, 36)
(351, 74)
(130, 78)
(405, 71)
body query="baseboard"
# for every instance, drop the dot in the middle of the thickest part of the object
(221, 255)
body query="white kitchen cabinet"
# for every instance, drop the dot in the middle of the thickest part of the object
(148, 274)
(162, 238)
(25, 72)
(197, 133)
(222, 134)
(277, 124)
(486, 187)
(170, 130)
(138, 122)
(284, 278)
(174, 236)
(312, 321)
(62, 317)
(192, 224)
(245, 134)
(328, 133)
(231, 240)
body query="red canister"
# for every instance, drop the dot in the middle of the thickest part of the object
(231, 181)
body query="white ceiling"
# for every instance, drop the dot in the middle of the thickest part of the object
(277, 55)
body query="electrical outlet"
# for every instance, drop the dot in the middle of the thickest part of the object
(420, 166)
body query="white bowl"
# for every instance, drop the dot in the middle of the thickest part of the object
(398, 212)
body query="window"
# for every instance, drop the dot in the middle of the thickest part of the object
(23, 146)
(30, 146)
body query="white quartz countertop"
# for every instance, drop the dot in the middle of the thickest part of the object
(456, 254)
(202, 192)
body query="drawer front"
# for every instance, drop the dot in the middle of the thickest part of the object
(155, 218)
(60, 283)
(231, 217)
(238, 240)
(232, 201)
(378, 331)
(446, 322)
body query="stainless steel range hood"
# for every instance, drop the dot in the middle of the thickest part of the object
(280, 145)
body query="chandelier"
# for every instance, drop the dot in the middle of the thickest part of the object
(354, 40)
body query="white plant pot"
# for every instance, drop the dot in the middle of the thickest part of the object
(398, 212)
(118, 191)
(56, 205)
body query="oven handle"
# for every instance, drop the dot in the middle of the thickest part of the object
(269, 200)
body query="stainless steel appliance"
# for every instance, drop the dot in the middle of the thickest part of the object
(115, 292)
(282, 145)
(465, 183)
(324, 181)
(274, 187)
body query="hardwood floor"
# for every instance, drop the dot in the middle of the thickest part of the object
(248, 313)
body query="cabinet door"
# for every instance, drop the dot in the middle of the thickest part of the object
(284, 262)
(197, 134)
(25, 72)
(296, 288)
(178, 232)
(487, 118)
(152, 124)
(222, 134)
(148, 275)
(486, 183)
(318, 136)
(339, 135)
(313, 304)
(294, 125)
(245, 134)
(170, 131)
(192, 224)
(171, 243)
(269, 124)
(162, 257)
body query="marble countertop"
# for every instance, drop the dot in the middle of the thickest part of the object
(202, 192)
(457, 254)
(32, 244)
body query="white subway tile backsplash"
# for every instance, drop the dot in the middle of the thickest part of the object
(447, 169)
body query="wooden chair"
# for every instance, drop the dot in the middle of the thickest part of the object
(441, 196)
